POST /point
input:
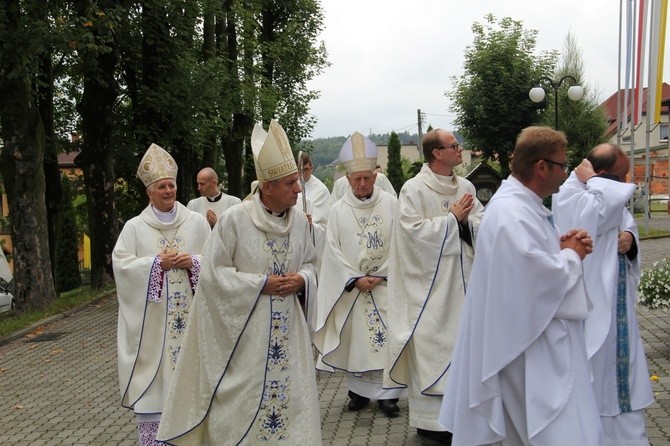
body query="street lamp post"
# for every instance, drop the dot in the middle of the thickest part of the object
(575, 93)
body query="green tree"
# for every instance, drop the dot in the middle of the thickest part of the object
(394, 170)
(67, 262)
(95, 43)
(584, 122)
(491, 97)
(24, 35)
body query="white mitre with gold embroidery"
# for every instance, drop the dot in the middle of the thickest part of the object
(156, 164)
(273, 158)
(358, 154)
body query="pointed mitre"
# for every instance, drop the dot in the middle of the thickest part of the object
(273, 158)
(358, 154)
(156, 164)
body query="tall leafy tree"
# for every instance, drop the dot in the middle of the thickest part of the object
(491, 99)
(272, 52)
(97, 52)
(584, 122)
(394, 169)
(24, 33)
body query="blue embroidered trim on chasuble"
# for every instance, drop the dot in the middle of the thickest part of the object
(622, 345)
(272, 420)
(373, 320)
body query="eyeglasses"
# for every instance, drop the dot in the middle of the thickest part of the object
(454, 146)
(565, 167)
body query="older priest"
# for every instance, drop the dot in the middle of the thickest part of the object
(246, 373)
(351, 333)
(156, 263)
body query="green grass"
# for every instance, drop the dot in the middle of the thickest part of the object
(13, 321)
(652, 233)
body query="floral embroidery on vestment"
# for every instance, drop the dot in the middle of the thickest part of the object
(155, 281)
(146, 432)
(376, 327)
(194, 273)
(273, 419)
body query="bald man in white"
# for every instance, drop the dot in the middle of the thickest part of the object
(212, 202)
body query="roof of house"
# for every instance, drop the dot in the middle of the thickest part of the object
(66, 160)
(610, 105)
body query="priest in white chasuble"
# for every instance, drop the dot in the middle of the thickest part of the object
(156, 264)
(351, 334)
(212, 202)
(431, 255)
(246, 370)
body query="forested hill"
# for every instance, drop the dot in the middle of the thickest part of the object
(326, 150)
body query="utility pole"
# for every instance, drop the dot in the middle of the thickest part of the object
(420, 121)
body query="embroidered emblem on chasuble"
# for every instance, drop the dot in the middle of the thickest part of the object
(279, 250)
(444, 205)
(372, 237)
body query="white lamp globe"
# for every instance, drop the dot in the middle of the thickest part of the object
(536, 94)
(575, 92)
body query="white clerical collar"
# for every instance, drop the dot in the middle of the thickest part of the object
(271, 212)
(165, 217)
(215, 199)
(364, 199)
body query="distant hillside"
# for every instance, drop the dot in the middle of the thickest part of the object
(326, 150)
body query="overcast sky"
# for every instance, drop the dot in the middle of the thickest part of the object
(392, 57)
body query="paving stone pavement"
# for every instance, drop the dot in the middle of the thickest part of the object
(63, 390)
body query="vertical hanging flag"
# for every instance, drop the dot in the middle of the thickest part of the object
(656, 58)
(654, 22)
(639, 61)
(625, 119)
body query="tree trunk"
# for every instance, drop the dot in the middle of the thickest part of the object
(23, 175)
(54, 187)
(96, 158)
(21, 164)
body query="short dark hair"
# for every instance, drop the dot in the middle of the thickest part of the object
(430, 142)
(306, 159)
(533, 144)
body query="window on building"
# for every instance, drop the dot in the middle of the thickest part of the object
(663, 128)
(624, 132)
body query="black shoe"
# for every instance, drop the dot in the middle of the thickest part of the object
(442, 437)
(357, 402)
(388, 406)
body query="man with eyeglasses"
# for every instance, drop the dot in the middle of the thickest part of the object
(594, 197)
(431, 255)
(519, 373)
